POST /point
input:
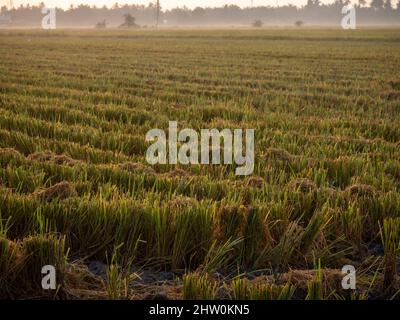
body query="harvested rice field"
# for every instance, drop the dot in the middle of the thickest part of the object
(77, 193)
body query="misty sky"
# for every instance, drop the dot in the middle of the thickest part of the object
(165, 3)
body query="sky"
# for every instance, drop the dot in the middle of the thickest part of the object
(166, 4)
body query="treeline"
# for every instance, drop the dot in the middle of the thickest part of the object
(378, 12)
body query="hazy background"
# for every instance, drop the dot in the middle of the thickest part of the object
(169, 4)
(174, 13)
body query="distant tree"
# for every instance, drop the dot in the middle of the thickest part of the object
(377, 4)
(257, 24)
(299, 23)
(313, 3)
(130, 21)
(338, 4)
(387, 5)
(101, 24)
